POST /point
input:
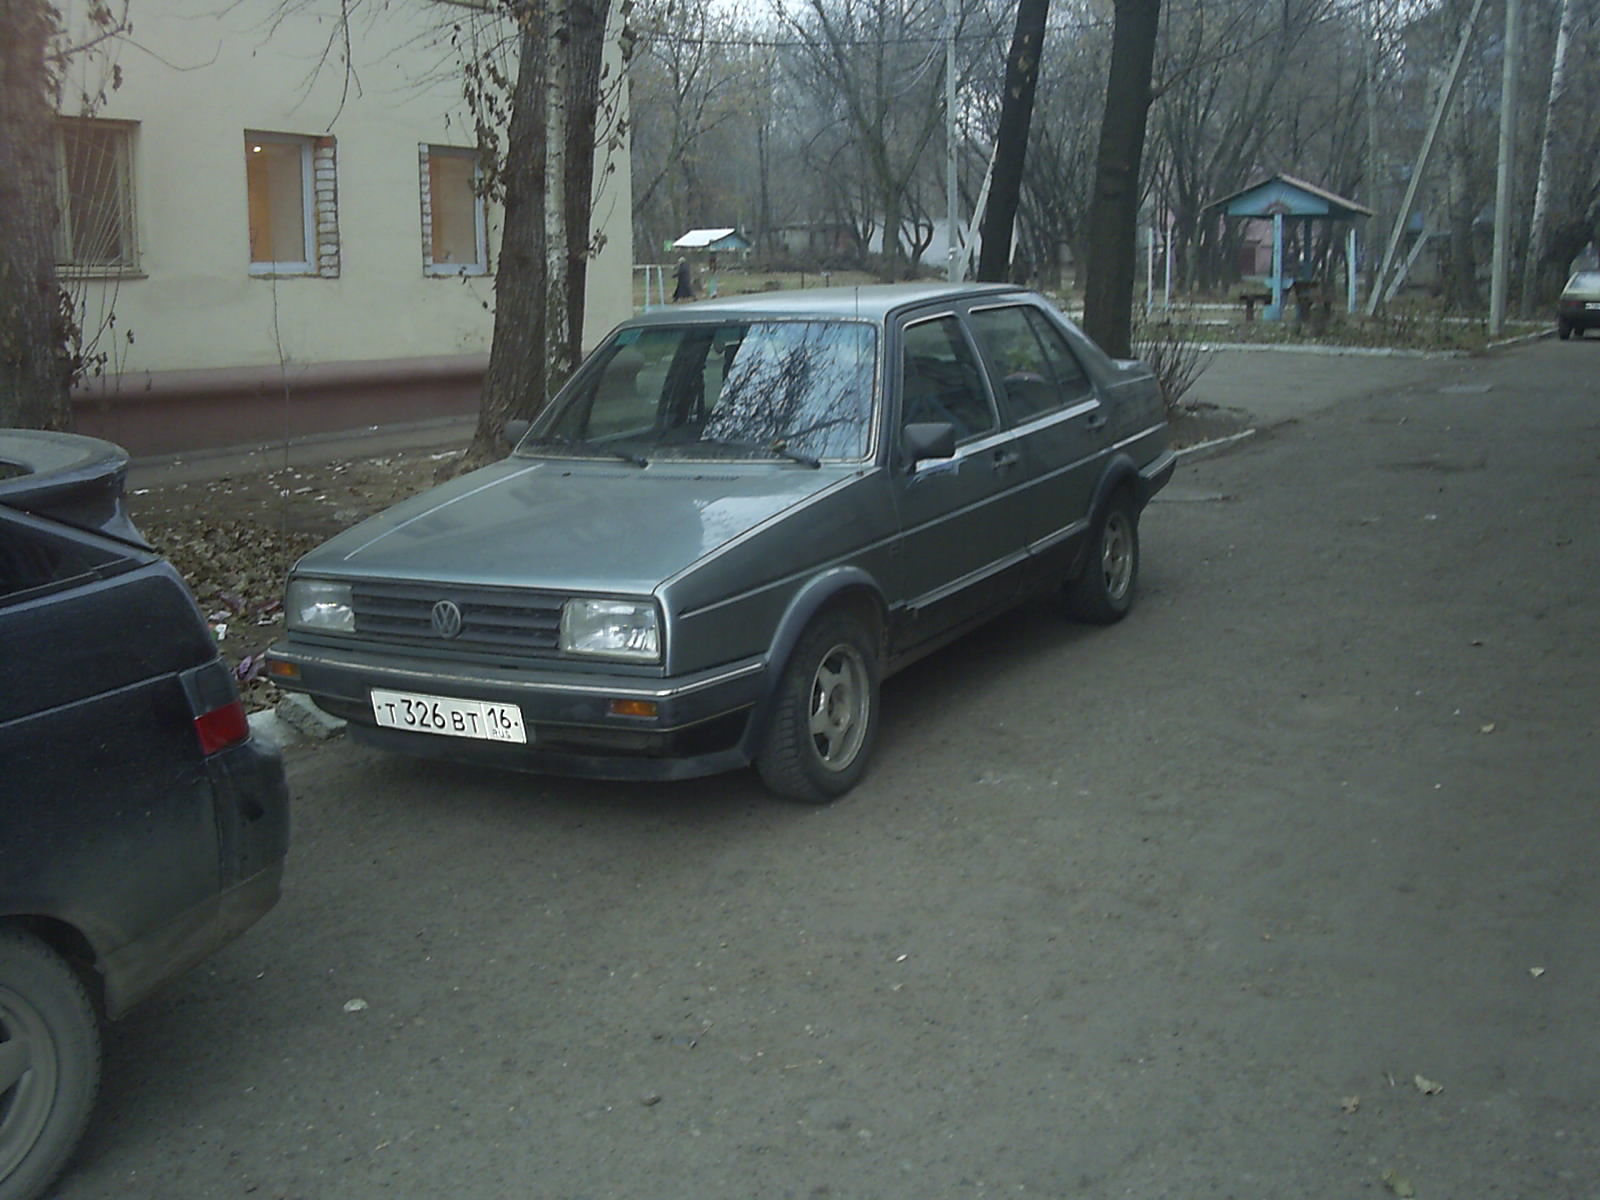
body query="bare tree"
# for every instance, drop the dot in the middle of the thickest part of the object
(543, 174)
(35, 360)
(1011, 138)
(1535, 269)
(879, 61)
(1114, 213)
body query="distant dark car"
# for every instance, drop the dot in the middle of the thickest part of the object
(1579, 306)
(731, 524)
(141, 826)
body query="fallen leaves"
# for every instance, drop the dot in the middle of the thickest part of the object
(1427, 1086)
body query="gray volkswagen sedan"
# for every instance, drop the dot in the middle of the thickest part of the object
(730, 525)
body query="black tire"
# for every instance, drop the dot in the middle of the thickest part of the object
(1103, 593)
(1563, 330)
(49, 1064)
(825, 712)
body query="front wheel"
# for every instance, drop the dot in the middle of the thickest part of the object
(1103, 594)
(825, 713)
(49, 1064)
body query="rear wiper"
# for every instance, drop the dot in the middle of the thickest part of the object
(775, 446)
(578, 444)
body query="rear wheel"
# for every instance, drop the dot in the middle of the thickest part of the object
(1563, 330)
(1103, 593)
(49, 1064)
(825, 713)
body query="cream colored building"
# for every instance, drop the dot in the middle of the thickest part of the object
(241, 213)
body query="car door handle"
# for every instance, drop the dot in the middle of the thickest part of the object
(1096, 419)
(1004, 459)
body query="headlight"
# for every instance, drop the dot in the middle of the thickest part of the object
(319, 606)
(611, 628)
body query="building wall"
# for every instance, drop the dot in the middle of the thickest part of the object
(208, 72)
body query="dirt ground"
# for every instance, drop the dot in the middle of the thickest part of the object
(234, 538)
(1283, 887)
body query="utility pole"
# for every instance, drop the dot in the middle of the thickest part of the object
(951, 205)
(1502, 184)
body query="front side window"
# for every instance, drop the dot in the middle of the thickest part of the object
(454, 225)
(95, 196)
(940, 380)
(798, 389)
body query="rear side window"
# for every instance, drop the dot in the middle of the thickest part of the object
(35, 560)
(1037, 370)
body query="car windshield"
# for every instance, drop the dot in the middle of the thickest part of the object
(798, 391)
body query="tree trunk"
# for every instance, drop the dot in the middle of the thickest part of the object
(514, 385)
(1011, 139)
(35, 320)
(557, 237)
(1114, 211)
(1534, 268)
(588, 18)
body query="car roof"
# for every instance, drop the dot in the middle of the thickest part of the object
(870, 302)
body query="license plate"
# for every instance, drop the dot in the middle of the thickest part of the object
(1592, 305)
(481, 719)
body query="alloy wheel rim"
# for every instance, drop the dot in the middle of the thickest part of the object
(1116, 556)
(27, 1079)
(839, 707)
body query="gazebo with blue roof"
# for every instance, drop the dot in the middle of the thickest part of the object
(1284, 198)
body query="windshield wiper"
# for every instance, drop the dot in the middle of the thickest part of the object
(775, 446)
(578, 444)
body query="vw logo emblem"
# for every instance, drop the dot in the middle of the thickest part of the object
(446, 619)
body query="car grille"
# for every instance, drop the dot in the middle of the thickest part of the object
(525, 622)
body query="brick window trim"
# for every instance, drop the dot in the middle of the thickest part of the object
(431, 269)
(325, 205)
(324, 215)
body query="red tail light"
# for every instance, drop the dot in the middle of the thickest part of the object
(221, 727)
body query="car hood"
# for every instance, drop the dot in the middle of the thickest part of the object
(570, 525)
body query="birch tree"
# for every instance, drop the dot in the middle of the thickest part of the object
(1534, 266)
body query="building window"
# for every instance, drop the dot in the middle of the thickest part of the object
(95, 194)
(454, 217)
(292, 186)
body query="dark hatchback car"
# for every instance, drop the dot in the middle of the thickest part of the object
(1579, 306)
(141, 826)
(728, 527)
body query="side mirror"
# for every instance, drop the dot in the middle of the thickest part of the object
(932, 439)
(514, 431)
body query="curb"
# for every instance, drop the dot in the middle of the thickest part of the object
(1201, 449)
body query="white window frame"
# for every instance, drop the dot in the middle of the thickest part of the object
(308, 203)
(480, 213)
(66, 263)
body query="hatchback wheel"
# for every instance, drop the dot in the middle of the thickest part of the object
(1563, 330)
(1103, 593)
(49, 1064)
(825, 714)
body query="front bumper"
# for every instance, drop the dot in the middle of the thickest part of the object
(701, 725)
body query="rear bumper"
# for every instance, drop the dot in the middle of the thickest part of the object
(1578, 314)
(251, 804)
(1156, 475)
(700, 724)
(164, 953)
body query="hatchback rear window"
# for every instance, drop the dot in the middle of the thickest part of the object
(34, 560)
